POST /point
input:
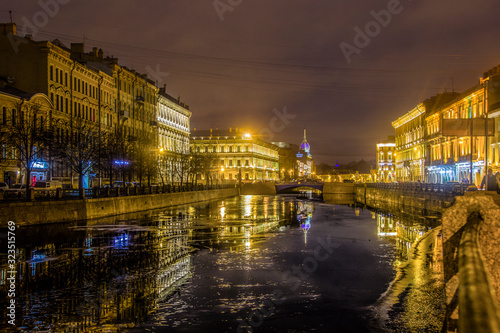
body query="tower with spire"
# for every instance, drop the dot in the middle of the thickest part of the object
(304, 159)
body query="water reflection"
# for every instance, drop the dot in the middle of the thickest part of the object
(405, 229)
(85, 276)
(304, 216)
(418, 284)
(204, 265)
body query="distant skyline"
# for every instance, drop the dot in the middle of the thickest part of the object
(343, 70)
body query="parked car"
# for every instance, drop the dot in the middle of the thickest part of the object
(4, 186)
(136, 184)
(119, 183)
(17, 188)
(47, 185)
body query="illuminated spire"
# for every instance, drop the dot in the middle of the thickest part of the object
(305, 146)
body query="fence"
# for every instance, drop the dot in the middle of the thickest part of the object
(457, 188)
(63, 194)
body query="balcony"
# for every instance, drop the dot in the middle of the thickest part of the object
(124, 114)
(139, 99)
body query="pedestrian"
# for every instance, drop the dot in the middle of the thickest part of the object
(492, 182)
(497, 176)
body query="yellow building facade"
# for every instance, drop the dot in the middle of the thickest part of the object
(386, 160)
(409, 142)
(75, 90)
(239, 154)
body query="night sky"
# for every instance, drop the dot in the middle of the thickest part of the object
(248, 60)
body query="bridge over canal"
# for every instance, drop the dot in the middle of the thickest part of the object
(280, 188)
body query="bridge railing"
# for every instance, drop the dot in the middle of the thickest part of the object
(478, 311)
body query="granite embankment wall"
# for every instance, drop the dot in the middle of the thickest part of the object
(412, 202)
(27, 213)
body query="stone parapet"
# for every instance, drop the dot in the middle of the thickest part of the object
(28, 213)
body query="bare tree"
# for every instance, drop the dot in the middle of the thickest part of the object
(78, 145)
(145, 158)
(179, 163)
(203, 164)
(24, 133)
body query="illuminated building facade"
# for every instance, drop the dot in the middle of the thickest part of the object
(452, 151)
(410, 138)
(491, 80)
(75, 90)
(16, 107)
(236, 155)
(304, 159)
(449, 156)
(287, 160)
(173, 117)
(386, 160)
(137, 122)
(409, 142)
(135, 104)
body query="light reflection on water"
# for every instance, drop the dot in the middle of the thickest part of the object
(201, 267)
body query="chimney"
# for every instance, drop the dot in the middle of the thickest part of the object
(100, 54)
(210, 130)
(230, 129)
(195, 129)
(95, 52)
(77, 48)
(9, 28)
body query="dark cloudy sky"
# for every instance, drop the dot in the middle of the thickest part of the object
(235, 66)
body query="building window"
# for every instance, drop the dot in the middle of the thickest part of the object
(221, 149)
(238, 163)
(230, 149)
(247, 149)
(247, 163)
(239, 149)
(230, 163)
(4, 116)
(51, 73)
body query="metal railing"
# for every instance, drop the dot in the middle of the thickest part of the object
(456, 188)
(478, 311)
(64, 194)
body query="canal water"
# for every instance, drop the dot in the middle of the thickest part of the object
(249, 263)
